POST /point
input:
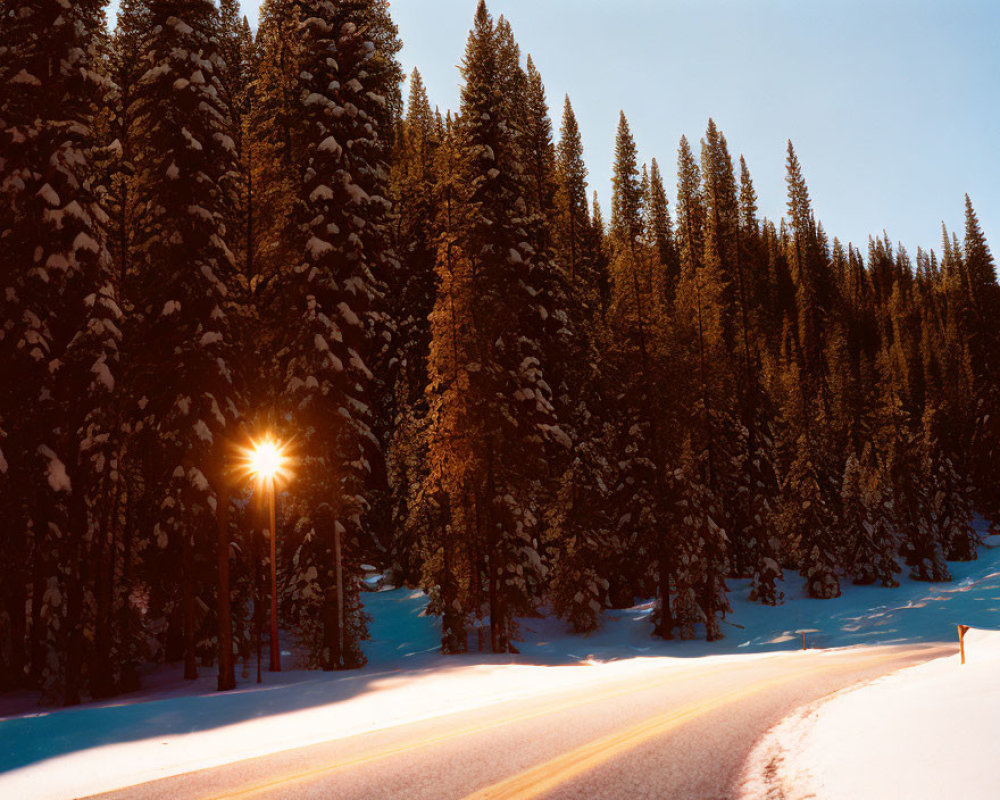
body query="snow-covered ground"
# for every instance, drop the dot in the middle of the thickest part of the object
(930, 731)
(175, 726)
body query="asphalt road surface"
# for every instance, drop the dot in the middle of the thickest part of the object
(683, 735)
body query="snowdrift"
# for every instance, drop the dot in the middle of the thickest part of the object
(930, 731)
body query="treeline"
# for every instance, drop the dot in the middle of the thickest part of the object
(210, 233)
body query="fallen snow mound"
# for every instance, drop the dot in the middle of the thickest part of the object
(929, 731)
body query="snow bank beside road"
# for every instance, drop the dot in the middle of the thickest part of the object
(930, 731)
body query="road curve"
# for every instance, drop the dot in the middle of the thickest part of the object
(683, 735)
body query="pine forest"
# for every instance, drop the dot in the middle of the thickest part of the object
(481, 383)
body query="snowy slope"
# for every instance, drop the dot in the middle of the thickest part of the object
(176, 726)
(930, 731)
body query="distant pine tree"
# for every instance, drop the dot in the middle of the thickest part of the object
(701, 562)
(414, 177)
(638, 366)
(661, 231)
(573, 232)
(599, 247)
(951, 496)
(441, 511)
(690, 213)
(914, 511)
(984, 353)
(808, 524)
(867, 517)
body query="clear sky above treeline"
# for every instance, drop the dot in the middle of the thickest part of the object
(893, 105)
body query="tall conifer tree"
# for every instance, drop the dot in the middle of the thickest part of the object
(60, 333)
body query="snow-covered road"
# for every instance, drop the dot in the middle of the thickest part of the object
(677, 732)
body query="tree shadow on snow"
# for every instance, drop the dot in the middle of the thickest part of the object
(404, 647)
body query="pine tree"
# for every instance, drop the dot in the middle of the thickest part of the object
(274, 150)
(914, 511)
(690, 213)
(705, 320)
(981, 312)
(414, 179)
(508, 400)
(661, 231)
(720, 256)
(342, 249)
(579, 587)
(701, 563)
(809, 272)
(442, 509)
(637, 366)
(539, 151)
(574, 238)
(599, 247)
(185, 164)
(627, 197)
(60, 337)
(239, 57)
(577, 516)
(951, 496)
(867, 517)
(125, 69)
(808, 524)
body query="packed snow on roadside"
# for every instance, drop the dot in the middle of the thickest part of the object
(930, 731)
(174, 726)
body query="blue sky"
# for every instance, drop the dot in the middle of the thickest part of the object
(892, 104)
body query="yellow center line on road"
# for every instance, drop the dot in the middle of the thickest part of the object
(471, 730)
(674, 678)
(542, 778)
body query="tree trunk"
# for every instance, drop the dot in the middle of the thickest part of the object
(333, 608)
(187, 608)
(77, 564)
(16, 597)
(665, 623)
(128, 675)
(258, 605)
(227, 676)
(102, 684)
(40, 569)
